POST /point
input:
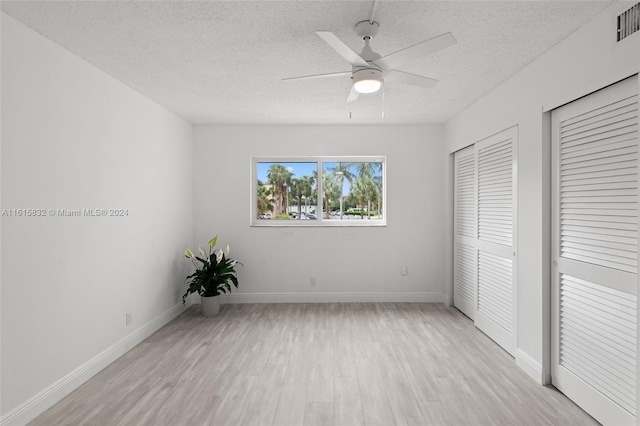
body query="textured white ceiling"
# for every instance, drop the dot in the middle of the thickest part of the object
(223, 61)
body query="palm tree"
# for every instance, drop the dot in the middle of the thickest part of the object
(377, 180)
(280, 178)
(330, 189)
(297, 191)
(373, 186)
(368, 169)
(342, 171)
(307, 183)
(350, 200)
(301, 187)
(265, 202)
(314, 190)
(364, 190)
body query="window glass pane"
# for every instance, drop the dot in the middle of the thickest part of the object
(287, 191)
(352, 190)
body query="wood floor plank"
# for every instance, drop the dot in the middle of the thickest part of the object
(348, 408)
(291, 405)
(318, 414)
(234, 402)
(380, 364)
(375, 402)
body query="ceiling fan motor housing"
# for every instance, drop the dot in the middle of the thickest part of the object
(366, 28)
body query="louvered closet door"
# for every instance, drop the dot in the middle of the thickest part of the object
(465, 256)
(496, 271)
(595, 252)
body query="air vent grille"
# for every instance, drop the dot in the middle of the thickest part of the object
(629, 22)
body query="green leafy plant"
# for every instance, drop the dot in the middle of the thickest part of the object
(215, 271)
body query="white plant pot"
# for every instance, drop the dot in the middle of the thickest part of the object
(210, 305)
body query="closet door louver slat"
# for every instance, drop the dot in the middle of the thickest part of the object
(495, 193)
(465, 257)
(495, 298)
(465, 272)
(595, 252)
(496, 309)
(598, 338)
(593, 188)
(465, 196)
(484, 269)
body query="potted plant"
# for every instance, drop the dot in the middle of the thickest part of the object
(213, 276)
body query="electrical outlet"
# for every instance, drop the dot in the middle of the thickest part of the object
(128, 318)
(404, 270)
(312, 281)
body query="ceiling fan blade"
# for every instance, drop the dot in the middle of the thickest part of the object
(416, 51)
(330, 74)
(395, 76)
(353, 95)
(345, 51)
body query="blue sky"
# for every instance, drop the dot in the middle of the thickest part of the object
(298, 169)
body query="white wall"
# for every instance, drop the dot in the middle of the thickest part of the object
(349, 263)
(587, 60)
(75, 138)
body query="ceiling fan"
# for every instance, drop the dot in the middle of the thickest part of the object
(369, 70)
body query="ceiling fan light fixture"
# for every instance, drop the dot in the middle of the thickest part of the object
(368, 80)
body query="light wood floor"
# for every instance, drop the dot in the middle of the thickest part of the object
(316, 364)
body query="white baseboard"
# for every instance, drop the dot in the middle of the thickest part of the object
(154, 325)
(423, 297)
(532, 367)
(40, 402)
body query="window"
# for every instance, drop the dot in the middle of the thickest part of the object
(318, 191)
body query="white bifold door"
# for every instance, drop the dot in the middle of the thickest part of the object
(484, 235)
(466, 254)
(595, 252)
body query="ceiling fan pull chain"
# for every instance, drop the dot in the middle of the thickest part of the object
(383, 100)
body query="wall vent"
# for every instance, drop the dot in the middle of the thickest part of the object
(629, 22)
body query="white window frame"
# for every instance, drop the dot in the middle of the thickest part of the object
(254, 221)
